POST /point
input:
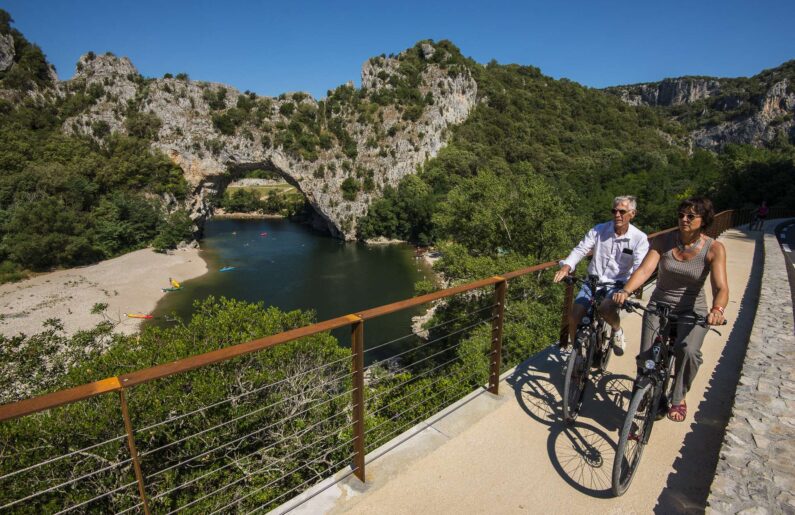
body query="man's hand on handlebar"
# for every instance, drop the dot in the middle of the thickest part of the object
(560, 274)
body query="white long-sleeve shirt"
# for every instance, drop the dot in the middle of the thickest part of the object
(614, 257)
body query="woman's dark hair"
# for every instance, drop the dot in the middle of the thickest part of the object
(702, 206)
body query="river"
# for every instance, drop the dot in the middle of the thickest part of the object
(290, 266)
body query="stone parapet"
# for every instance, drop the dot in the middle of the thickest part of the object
(756, 470)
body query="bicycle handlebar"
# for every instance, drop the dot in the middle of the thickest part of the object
(631, 306)
(590, 280)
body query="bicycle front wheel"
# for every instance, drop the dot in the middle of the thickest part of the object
(576, 379)
(634, 436)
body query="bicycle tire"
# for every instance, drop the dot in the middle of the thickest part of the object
(605, 346)
(578, 368)
(630, 450)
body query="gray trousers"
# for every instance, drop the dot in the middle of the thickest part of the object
(687, 350)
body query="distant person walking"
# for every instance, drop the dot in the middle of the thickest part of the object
(760, 215)
(618, 249)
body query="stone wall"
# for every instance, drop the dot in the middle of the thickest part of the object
(756, 470)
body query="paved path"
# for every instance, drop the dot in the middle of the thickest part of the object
(512, 453)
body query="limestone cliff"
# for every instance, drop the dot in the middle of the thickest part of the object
(669, 92)
(340, 151)
(717, 112)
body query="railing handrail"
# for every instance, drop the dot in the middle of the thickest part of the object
(116, 383)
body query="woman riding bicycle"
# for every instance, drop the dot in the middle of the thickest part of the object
(685, 258)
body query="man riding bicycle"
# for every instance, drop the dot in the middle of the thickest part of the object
(618, 249)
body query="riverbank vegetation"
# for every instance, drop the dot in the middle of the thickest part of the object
(273, 199)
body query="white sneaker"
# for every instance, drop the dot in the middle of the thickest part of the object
(617, 339)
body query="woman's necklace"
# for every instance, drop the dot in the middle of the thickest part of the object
(687, 247)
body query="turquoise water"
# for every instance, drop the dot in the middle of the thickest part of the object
(293, 267)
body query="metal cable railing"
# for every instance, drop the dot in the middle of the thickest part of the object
(428, 330)
(240, 396)
(402, 427)
(101, 496)
(249, 475)
(246, 476)
(471, 326)
(415, 405)
(319, 476)
(425, 344)
(258, 451)
(382, 393)
(235, 419)
(66, 483)
(63, 456)
(248, 435)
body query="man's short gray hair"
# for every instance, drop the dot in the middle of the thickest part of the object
(629, 199)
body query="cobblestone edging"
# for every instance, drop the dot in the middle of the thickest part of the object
(756, 470)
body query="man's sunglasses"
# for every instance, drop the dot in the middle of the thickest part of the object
(621, 212)
(688, 216)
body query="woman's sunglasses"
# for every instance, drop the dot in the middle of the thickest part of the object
(688, 216)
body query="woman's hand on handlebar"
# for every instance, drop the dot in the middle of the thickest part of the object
(620, 297)
(560, 274)
(715, 317)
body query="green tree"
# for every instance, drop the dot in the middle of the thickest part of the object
(177, 228)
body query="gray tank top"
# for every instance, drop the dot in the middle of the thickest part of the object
(681, 283)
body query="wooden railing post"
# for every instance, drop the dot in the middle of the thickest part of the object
(357, 351)
(564, 321)
(498, 313)
(139, 476)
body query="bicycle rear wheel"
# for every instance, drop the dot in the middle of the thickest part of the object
(578, 368)
(634, 436)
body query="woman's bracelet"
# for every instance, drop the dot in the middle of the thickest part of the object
(718, 308)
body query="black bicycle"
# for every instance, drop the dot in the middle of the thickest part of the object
(591, 348)
(651, 395)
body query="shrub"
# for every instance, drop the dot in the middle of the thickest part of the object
(350, 188)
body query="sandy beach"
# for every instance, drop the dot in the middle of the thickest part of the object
(128, 284)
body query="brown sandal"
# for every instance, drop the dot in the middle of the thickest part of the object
(678, 412)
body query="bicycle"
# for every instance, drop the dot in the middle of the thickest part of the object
(591, 348)
(651, 394)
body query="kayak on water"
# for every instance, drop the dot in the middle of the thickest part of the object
(171, 289)
(227, 268)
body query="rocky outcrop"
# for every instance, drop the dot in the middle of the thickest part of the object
(6, 51)
(669, 92)
(726, 111)
(385, 144)
(774, 116)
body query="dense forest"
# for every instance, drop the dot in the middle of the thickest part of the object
(535, 165)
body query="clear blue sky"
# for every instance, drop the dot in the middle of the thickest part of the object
(274, 47)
